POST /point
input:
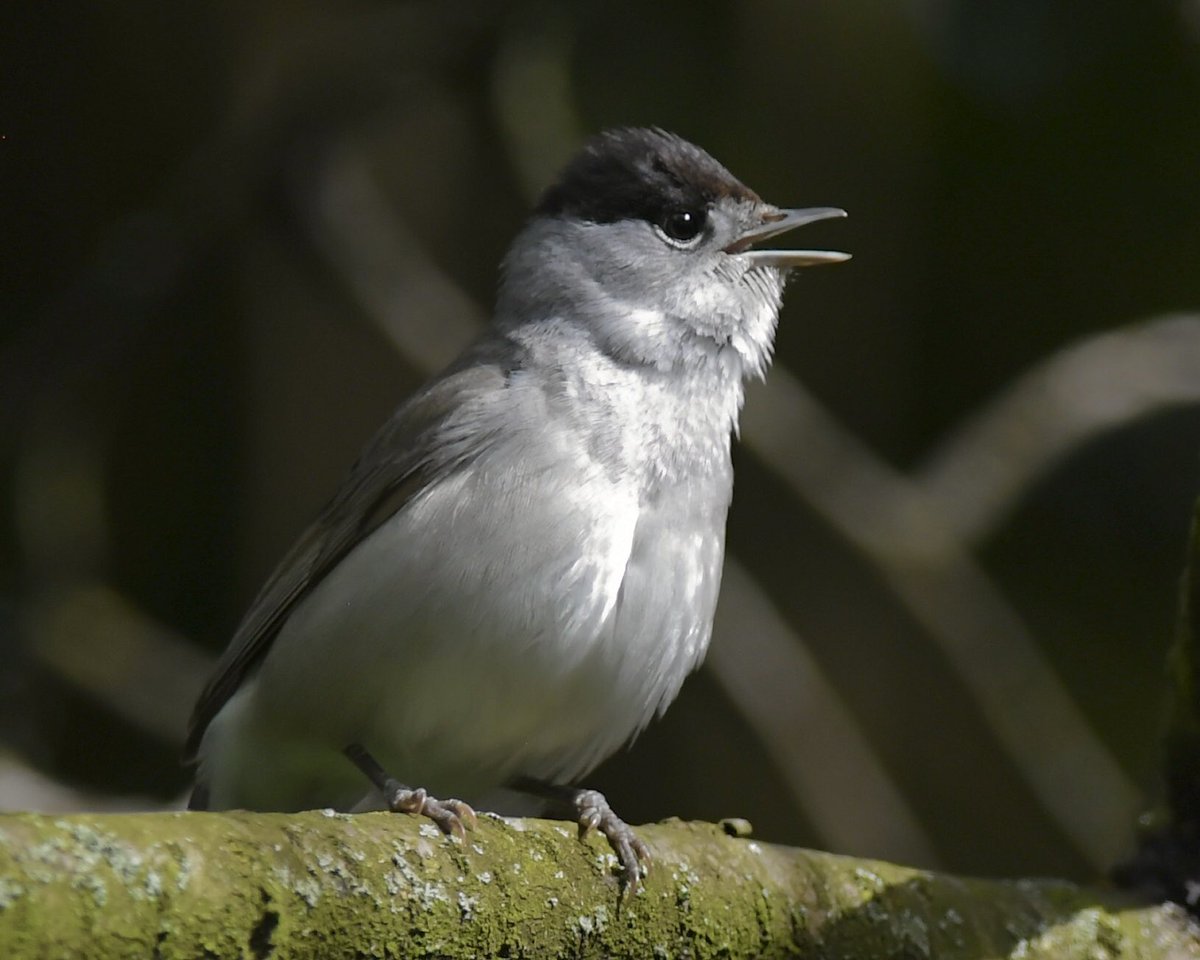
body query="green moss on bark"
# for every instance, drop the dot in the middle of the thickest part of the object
(380, 885)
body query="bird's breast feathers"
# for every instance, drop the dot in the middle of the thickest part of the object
(533, 583)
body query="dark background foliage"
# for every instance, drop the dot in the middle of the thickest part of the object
(238, 234)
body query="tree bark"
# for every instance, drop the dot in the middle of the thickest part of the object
(330, 885)
(1166, 865)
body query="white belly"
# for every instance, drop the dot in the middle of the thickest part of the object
(491, 628)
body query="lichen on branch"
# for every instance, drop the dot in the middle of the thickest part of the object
(383, 885)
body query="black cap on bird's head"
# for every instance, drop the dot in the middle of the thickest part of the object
(634, 173)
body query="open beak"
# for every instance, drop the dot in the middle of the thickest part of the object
(776, 221)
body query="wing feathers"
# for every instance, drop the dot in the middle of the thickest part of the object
(401, 460)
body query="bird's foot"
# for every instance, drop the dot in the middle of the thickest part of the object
(594, 813)
(452, 816)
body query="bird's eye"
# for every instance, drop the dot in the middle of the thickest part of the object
(683, 226)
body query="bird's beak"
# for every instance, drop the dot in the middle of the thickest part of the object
(776, 221)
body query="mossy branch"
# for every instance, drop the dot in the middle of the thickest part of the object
(382, 885)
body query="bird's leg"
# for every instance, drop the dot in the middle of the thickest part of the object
(592, 812)
(452, 816)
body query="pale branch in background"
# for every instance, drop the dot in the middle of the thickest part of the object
(891, 521)
(1095, 385)
(779, 688)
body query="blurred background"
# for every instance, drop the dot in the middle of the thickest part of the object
(238, 234)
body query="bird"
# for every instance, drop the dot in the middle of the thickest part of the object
(522, 566)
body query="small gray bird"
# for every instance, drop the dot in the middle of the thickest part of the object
(522, 567)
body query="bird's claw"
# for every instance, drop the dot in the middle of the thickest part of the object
(595, 814)
(451, 816)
